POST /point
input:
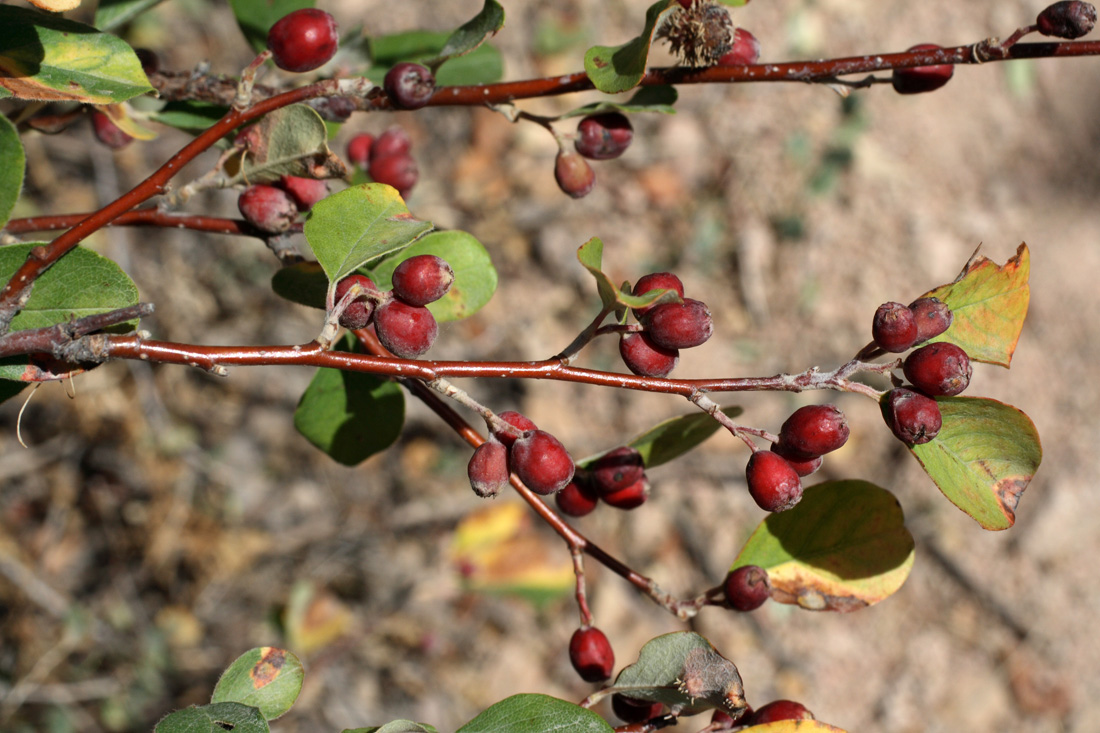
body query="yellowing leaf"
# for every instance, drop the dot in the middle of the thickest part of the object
(56, 6)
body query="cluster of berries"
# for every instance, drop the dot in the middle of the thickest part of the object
(602, 136)
(403, 324)
(273, 208)
(537, 458)
(668, 327)
(386, 159)
(618, 477)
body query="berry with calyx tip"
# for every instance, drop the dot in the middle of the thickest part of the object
(1070, 19)
(303, 40)
(894, 327)
(655, 281)
(629, 497)
(591, 654)
(747, 588)
(516, 420)
(359, 148)
(774, 485)
(359, 311)
(541, 462)
(744, 52)
(802, 466)
(107, 132)
(409, 85)
(679, 325)
(422, 279)
(576, 499)
(914, 418)
(938, 369)
(394, 141)
(406, 330)
(645, 358)
(573, 174)
(779, 710)
(604, 136)
(305, 192)
(932, 316)
(633, 710)
(399, 171)
(488, 469)
(267, 208)
(814, 430)
(922, 78)
(617, 469)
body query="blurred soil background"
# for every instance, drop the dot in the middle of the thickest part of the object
(162, 521)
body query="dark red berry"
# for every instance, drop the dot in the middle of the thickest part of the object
(779, 710)
(632, 710)
(399, 171)
(721, 720)
(359, 311)
(894, 327)
(576, 499)
(938, 369)
(1070, 19)
(629, 497)
(488, 469)
(394, 141)
(359, 148)
(604, 136)
(932, 316)
(645, 358)
(914, 418)
(922, 78)
(814, 430)
(422, 279)
(305, 192)
(747, 588)
(267, 208)
(541, 462)
(774, 485)
(655, 281)
(409, 85)
(107, 132)
(573, 174)
(745, 50)
(303, 40)
(591, 654)
(617, 469)
(679, 325)
(406, 330)
(802, 465)
(516, 420)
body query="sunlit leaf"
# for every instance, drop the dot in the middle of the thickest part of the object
(590, 255)
(615, 69)
(265, 678)
(217, 718)
(530, 713)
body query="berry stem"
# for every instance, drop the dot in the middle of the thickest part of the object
(248, 80)
(569, 353)
(713, 409)
(582, 591)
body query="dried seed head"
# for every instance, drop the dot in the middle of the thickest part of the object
(699, 34)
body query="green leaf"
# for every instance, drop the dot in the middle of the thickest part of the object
(988, 304)
(255, 17)
(841, 548)
(217, 718)
(473, 32)
(646, 99)
(672, 438)
(531, 713)
(111, 14)
(265, 678)
(983, 458)
(483, 65)
(50, 58)
(615, 69)
(291, 141)
(395, 726)
(734, 3)
(475, 277)
(189, 116)
(359, 224)
(11, 173)
(590, 255)
(304, 283)
(350, 415)
(683, 669)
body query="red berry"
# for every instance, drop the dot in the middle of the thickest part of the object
(541, 462)
(802, 465)
(629, 497)
(573, 174)
(303, 40)
(604, 136)
(721, 720)
(304, 191)
(107, 132)
(922, 78)
(267, 208)
(406, 330)
(488, 469)
(1070, 19)
(779, 710)
(409, 86)
(938, 369)
(617, 469)
(814, 430)
(359, 148)
(516, 420)
(576, 499)
(655, 281)
(679, 325)
(359, 311)
(422, 279)
(591, 654)
(632, 710)
(913, 417)
(774, 485)
(747, 588)
(645, 358)
(745, 50)
(932, 316)
(399, 171)
(394, 141)
(894, 327)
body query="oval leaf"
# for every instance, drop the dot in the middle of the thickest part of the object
(291, 141)
(647, 99)
(530, 713)
(615, 69)
(843, 547)
(983, 458)
(472, 33)
(50, 58)
(475, 277)
(672, 438)
(217, 718)
(360, 224)
(265, 677)
(11, 173)
(395, 726)
(989, 304)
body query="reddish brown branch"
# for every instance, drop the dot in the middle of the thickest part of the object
(146, 218)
